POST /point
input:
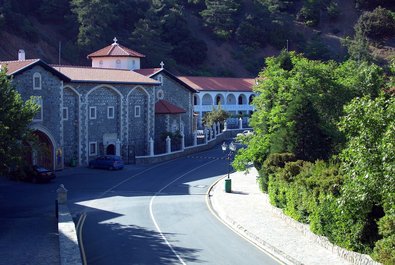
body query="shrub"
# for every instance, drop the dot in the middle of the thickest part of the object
(384, 250)
(377, 25)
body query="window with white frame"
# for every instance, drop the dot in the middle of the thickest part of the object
(36, 81)
(65, 113)
(110, 112)
(40, 113)
(92, 113)
(92, 148)
(137, 111)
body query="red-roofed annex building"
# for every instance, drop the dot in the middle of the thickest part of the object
(114, 107)
(234, 94)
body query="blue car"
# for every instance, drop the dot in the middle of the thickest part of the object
(110, 162)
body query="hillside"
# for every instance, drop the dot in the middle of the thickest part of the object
(191, 38)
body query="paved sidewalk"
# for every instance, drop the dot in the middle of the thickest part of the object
(248, 211)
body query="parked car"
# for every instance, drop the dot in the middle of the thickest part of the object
(110, 162)
(245, 133)
(33, 173)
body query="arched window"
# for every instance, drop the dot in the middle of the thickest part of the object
(251, 99)
(207, 100)
(217, 99)
(37, 81)
(242, 99)
(195, 100)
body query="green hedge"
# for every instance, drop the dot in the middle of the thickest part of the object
(312, 193)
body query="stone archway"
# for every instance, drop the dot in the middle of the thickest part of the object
(110, 149)
(42, 152)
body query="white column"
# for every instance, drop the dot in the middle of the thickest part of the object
(214, 130)
(225, 126)
(218, 127)
(194, 138)
(118, 147)
(240, 123)
(205, 135)
(151, 146)
(182, 141)
(168, 145)
(211, 133)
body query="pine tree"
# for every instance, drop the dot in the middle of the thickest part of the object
(221, 17)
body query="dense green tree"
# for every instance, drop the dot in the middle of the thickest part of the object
(216, 115)
(310, 13)
(368, 4)
(95, 18)
(163, 34)
(221, 17)
(316, 49)
(358, 48)
(328, 86)
(254, 29)
(54, 11)
(368, 162)
(146, 38)
(15, 117)
(376, 25)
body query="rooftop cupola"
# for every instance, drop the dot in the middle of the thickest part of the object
(116, 56)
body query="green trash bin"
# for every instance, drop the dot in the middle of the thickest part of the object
(73, 162)
(228, 185)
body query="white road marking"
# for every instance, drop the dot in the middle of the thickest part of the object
(152, 213)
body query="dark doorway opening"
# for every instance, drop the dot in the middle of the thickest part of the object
(110, 150)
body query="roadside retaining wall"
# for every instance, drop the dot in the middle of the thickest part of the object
(68, 241)
(353, 257)
(190, 149)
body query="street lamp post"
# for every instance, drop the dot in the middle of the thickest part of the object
(232, 149)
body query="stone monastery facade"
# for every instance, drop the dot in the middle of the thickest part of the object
(113, 107)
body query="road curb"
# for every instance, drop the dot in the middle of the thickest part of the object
(68, 240)
(243, 232)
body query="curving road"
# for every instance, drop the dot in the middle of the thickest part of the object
(157, 215)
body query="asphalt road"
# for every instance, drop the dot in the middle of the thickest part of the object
(156, 215)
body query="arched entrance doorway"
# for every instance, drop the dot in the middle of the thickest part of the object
(42, 151)
(110, 150)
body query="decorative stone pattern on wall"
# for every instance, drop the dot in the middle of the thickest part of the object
(49, 92)
(102, 98)
(73, 135)
(138, 126)
(180, 96)
(71, 125)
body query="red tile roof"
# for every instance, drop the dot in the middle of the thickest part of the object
(15, 67)
(218, 83)
(115, 50)
(148, 71)
(165, 107)
(104, 75)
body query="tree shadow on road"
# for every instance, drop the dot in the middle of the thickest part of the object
(134, 244)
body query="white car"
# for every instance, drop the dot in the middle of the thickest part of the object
(245, 133)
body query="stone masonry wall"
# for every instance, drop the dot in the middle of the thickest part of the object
(51, 99)
(133, 132)
(180, 96)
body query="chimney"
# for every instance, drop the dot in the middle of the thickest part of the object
(21, 55)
